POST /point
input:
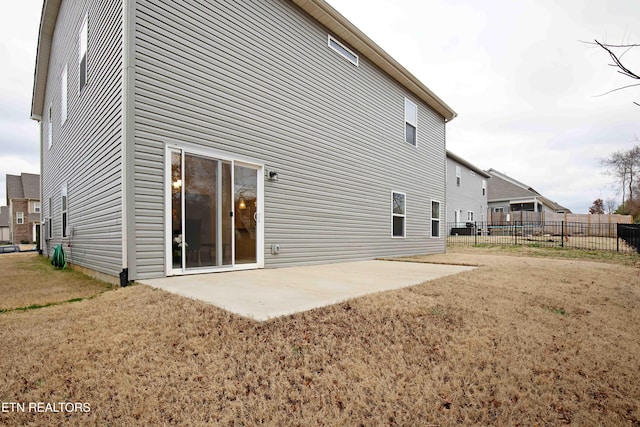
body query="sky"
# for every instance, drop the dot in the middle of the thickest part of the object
(524, 85)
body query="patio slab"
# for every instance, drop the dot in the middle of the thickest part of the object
(267, 293)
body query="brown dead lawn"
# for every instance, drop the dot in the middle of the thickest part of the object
(522, 340)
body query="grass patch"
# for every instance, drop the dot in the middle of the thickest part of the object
(31, 282)
(559, 311)
(622, 258)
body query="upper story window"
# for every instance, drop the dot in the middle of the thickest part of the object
(50, 126)
(343, 50)
(484, 187)
(84, 38)
(63, 96)
(458, 176)
(19, 217)
(398, 213)
(36, 207)
(411, 122)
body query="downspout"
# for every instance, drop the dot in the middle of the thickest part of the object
(42, 234)
(127, 138)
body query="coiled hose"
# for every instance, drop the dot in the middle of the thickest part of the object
(58, 259)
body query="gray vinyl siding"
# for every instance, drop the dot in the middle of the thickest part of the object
(467, 197)
(258, 80)
(86, 151)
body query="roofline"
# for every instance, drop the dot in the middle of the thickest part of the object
(50, 9)
(467, 164)
(338, 24)
(318, 9)
(512, 180)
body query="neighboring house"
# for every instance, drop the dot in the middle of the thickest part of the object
(5, 232)
(23, 201)
(506, 195)
(187, 137)
(466, 192)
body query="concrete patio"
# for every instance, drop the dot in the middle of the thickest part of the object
(267, 293)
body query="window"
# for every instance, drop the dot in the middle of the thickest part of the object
(50, 126)
(398, 213)
(49, 224)
(484, 187)
(435, 218)
(458, 176)
(64, 210)
(63, 96)
(36, 207)
(469, 216)
(19, 217)
(410, 122)
(343, 50)
(84, 37)
(498, 210)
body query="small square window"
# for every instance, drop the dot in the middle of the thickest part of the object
(343, 50)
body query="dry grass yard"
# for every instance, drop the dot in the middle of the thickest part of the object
(523, 340)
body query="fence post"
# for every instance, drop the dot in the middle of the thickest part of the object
(475, 232)
(515, 232)
(617, 237)
(562, 239)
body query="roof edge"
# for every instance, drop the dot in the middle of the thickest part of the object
(342, 27)
(467, 164)
(50, 9)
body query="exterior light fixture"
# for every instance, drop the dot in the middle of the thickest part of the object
(242, 204)
(273, 176)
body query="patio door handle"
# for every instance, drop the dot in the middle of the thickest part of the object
(255, 216)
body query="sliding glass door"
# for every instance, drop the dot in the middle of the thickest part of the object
(215, 210)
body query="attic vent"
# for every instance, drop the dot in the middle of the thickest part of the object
(343, 50)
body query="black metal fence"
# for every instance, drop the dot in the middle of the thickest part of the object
(559, 234)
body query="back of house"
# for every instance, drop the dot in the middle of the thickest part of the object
(188, 137)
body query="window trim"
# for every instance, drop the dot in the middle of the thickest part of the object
(407, 122)
(83, 43)
(63, 95)
(64, 208)
(49, 220)
(20, 218)
(403, 215)
(342, 50)
(438, 219)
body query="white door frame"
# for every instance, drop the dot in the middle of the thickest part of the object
(186, 148)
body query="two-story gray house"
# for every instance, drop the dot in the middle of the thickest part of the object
(466, 192)
(204, 136)
(507, 195)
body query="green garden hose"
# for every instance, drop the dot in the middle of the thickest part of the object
(58, 259)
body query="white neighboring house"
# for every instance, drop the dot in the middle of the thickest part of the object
(466, 192)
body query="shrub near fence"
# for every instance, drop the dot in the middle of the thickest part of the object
(576, 235)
